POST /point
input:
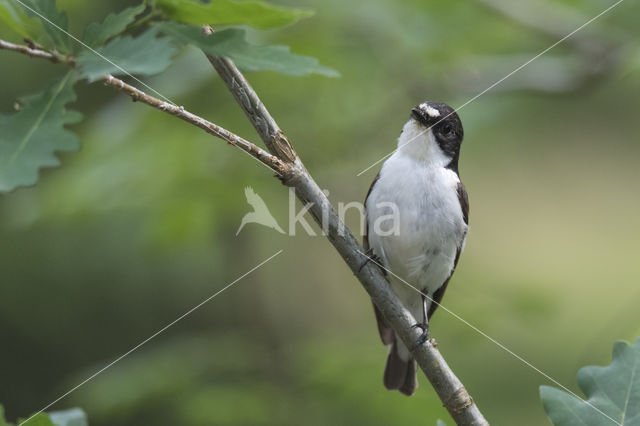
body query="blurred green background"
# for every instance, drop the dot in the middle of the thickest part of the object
(140, 225)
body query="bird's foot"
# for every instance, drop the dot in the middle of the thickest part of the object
(370, 256)
(423, 337)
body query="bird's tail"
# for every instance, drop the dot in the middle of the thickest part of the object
(400, 374)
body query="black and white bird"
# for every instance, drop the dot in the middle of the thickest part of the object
(417, 220)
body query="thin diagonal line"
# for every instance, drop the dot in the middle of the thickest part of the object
(119, 67)
(497, 83)
(518, 357)
(190, 311)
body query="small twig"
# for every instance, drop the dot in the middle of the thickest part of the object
(36, 52)
(178, 111)
(32, 44)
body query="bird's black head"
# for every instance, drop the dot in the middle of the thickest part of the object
(445, 125)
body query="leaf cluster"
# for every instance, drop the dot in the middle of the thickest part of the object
(137, 41)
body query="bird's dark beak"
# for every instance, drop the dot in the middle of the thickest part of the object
(421, 116)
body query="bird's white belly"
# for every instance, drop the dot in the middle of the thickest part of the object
(429, 231)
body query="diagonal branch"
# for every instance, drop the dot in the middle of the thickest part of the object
(449, 388)
(267, 128)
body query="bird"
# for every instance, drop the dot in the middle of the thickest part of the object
(417, 219)
(260, 213)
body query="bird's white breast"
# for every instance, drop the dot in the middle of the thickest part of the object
(430, 220)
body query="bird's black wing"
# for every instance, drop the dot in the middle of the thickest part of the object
(463, 198)
(365, 238)
(386, 332)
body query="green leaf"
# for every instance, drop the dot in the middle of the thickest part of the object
(30, 137)
(54, 22)
(72, 417)
(614, 390)
(18, 21)
(145, 55)
(40, 419)
(97, 34)
(232, 43)
(3, 421)
(257, 14)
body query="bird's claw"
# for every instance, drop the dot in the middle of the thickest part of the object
(423, 337)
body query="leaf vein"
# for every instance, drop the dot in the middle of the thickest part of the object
(626, 400)
(36, 125)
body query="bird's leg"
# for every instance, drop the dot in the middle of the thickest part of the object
(371, 257)
(424, 325)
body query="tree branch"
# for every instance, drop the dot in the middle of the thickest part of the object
(267, 128)
(284, 160)
(451, 391)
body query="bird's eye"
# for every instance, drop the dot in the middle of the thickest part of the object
(447, 129)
